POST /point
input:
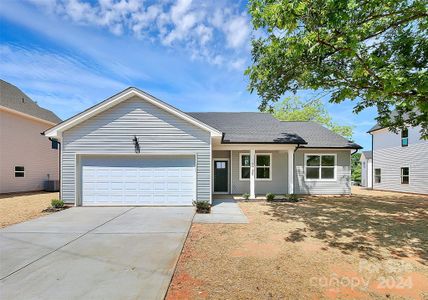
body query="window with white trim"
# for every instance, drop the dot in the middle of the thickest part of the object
(263, 166)
(377, 175)
(404, 137)
(320, 166)
(244, 166)
(19, 171)
(405, 176)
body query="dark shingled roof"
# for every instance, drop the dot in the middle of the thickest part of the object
(255, 127)
(13, 98)
(367, 154)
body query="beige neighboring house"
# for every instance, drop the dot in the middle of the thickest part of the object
(27, 158)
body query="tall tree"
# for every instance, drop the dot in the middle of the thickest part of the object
(374, 52)
(356, 167)
(294, 109)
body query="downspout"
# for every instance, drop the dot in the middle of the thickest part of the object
(372, 163)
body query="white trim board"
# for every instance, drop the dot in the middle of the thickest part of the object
(122, 96)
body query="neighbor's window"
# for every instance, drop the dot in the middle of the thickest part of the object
(19, 171)
(320, 166)
(244, 166)
(54, 144)
(263, 166)
(377, 175)
(404, 137)
(405, 175)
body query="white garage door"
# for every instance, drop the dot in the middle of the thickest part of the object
(138, 180)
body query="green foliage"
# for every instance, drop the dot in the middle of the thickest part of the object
(202, 206)
(270, 197)
(294, 109)
(356, 167)
(246, 196)
(372, 52)
(56, 203)
(292, 198)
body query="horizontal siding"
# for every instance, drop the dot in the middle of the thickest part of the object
(112, 132)
(279, 183)
(390, 157)
(341, 186)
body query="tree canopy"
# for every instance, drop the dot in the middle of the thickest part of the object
(373, 52)
(294, 109)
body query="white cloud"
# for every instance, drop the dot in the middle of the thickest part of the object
(205, 29)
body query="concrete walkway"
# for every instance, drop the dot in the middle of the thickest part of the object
(223, 211)
(93, 253)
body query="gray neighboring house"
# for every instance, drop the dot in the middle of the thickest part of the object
(134, 149)
(400, 160)
(366, 169)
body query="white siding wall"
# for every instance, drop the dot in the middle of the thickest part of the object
(390, 157)
(112, 132)
(342, 184)
(366, 173)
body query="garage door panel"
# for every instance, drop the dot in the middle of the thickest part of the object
(138, 180)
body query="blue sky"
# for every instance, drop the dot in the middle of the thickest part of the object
(69, 55)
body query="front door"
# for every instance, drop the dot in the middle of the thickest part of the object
(221, 176)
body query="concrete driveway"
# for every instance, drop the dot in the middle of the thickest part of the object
(93, 253)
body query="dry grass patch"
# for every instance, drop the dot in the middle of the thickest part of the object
(324, 247)
(20, 207)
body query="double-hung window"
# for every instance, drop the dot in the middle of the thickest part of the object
(404, 137)
(320, 166)
(377, 175)
(263, 166)
(19, 171)
(244, 166)
(405, 176)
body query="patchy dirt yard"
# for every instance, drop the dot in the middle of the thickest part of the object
(20, 207)
(370, 245)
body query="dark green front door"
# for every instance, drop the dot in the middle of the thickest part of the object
(221, 176)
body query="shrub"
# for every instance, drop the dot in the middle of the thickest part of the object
(202, 207)
(246, 196)
(270, 197)
(293, 198)
(56, 203)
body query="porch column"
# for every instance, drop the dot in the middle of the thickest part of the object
(252, 173)
(290, 171)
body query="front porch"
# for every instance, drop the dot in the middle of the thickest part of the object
(252, 169)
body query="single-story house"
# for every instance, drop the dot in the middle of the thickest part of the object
(28, 160)
(134, 149)
(366, 160)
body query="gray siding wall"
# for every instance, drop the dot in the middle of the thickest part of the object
(342, 185)
(390, 157)
(279, 183)
(112, 132)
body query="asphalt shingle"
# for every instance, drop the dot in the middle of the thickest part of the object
(13, 98)
(255, 127)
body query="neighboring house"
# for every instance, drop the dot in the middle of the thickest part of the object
(134, 149)
(366, 169)
(27, 158)
(400, 160)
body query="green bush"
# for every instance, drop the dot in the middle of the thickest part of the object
(293, 198)
(203, 207)
(56, 203)
(270, 196)
(246, 196)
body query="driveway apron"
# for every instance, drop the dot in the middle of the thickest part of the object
(93, 253)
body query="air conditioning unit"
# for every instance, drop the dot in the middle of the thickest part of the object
(51, 185)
